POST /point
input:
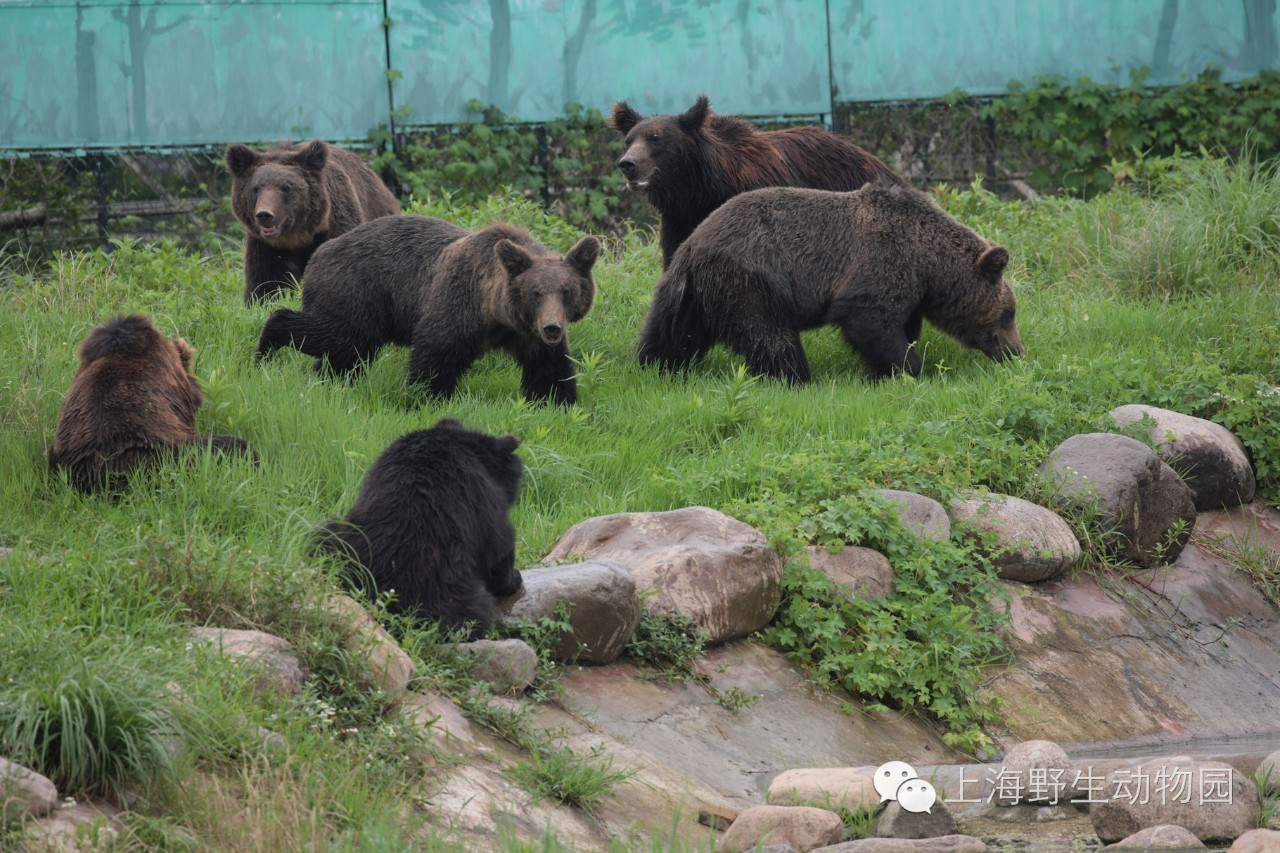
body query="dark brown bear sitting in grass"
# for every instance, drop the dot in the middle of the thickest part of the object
(290, 200)
(431, 525)
(690, 164)
(875, 262)
(450, 293)
(133, 401)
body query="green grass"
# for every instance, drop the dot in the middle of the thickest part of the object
(1167, 297)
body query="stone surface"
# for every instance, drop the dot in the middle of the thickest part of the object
(1035, 772)
(923, 516)
(717, 817)
(24, 792)
(604, 607)
(509, 665)
(79, 827)
(863, 572)
(1212, 460)
(1166, 836)
(438, 715)
(944, 844)
(1269, 767)
(1221, 815)
(714, 569)
(825, 788)
(1034, 543)
(897, 822)
(1139, 499)
(281, 668)
(802, 827)
(390, 668)
(1257, 841)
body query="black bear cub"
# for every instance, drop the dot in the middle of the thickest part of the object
(876, 262)
(431, 524)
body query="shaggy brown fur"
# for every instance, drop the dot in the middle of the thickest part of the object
(290, 200)
(875, 262)
(133, 400)
(690, 164)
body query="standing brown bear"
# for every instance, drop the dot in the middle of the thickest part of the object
(133, 401)
(449, 293)
(875, 262)
(290, 200)
(690, 164)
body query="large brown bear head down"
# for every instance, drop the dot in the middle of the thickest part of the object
(545, 293)
(994, 330)
(278, 195)
(657, 145)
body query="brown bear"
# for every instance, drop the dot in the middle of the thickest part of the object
(133, 401)
(450, 294)
(431, 524)
(875, 262)
(290, 200)
(690, 164)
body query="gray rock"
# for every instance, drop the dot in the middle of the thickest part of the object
(390, 669)
(604, 607)
(1139, 498)
(1034, 543)
(438, 715)
(509, 665)
(923, 516)
(1034, 772)
(824, 787)
(897, 822)
(83, 826)
(24, 792)
(1257, 841)
(778, 848)
(1269, 768)
(863, 572)
(1025, 813)
(1166, 836)
(801, 827)
(714, 569)
(944, 844)
(1213, 800)
(1212, 460)
(279, 664)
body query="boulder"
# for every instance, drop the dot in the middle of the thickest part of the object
(714, 569)
(76, 826)
(824, 787)
(24, 793)
(897, 822)
(390, 667)
(801, 827)
(438, 715)
(1034, 772)
(1212, 460)
(1139, 499)
(604, 608)
(1213, 800)
(944, 844)
(1033, 543)
(923, 516)
(1256, 841)
(1166, 836)
(1269, 768)
(862, 572)
(509, 665)
(280, 667)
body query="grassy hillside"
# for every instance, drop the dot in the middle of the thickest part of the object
(1164, 294)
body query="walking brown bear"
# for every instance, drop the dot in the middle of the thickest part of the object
(133, 401)
(431, 524)
(690, 164)
(450, 294)
(875, 262)
(290, 200)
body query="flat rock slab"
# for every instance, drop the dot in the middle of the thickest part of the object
(944, 844)
(803, 828)
(440, 717)
(24, 792)
(861, 572)
(922, 515)
(281, 668)
(1213, 462)
(1139, 499)
(1212, 800)
(824, 787)
(714, 569)
(1163, 837)
(390, 667)
(1033, 543)
(604, 607)
(510, 666)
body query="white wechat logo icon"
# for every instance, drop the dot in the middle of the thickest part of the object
(889, 776)
(917, 795)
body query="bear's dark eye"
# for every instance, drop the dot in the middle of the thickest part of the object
(255, 191)
(1007, 317)
(655, 136)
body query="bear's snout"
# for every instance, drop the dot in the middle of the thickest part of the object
(628, 167)
(552, 332)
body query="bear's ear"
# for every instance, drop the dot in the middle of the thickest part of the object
(184, 352)
(448, 424)
(624, 118)
(507, 444)
(313, 156)
(582, 257)
(515, 258)
(240, 159)
(991, 263)
(694, 117)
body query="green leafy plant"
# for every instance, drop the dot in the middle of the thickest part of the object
(561, 774)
